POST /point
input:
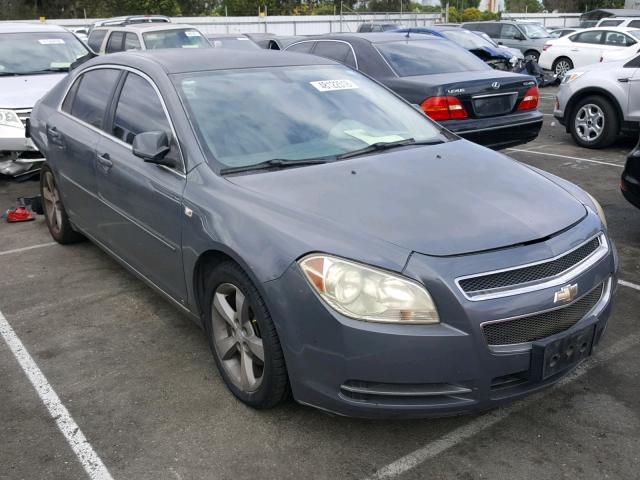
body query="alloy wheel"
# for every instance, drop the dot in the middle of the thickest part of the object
(52, 206)
(589, 122)
(562, 67)
(237, 339)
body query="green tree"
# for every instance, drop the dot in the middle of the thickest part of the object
(519, 6)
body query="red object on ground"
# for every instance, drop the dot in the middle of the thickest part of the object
(19, 214)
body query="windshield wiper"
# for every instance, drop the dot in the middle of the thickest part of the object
(379, 146)
(274, 163)
(37, 72)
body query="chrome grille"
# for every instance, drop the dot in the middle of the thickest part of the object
(531, 273)
(534, 327)
(23, 114)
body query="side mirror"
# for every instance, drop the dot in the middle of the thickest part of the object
(500, 43)
(520, 37)
(153, 147)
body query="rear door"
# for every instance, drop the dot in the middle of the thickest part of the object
(73, 139)
(617, 41)
(632, 70)
(586, 47)
(142, 221)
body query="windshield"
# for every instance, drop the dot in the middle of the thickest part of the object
(533, 31)
(41, 52)
(466, 39)
(239, 43)
(187, 38)
(429, 57)
(244, 117)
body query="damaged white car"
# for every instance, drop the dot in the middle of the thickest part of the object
(33, 59)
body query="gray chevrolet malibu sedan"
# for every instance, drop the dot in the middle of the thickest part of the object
(333, 242)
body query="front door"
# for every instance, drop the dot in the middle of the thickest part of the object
(143, 201)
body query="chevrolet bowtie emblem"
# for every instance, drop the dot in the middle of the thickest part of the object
(566, 294)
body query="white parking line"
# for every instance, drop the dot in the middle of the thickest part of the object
(77, 441)
(566, 156)
(24, 249)
(480, 424)
(624, 283)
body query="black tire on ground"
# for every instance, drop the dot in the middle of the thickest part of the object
(54, 213)
(610, 128)
(561, 59)
(532, 54)
(274, 387)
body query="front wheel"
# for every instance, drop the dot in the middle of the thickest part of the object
(532, 55)
(243, 339)
(594, 122)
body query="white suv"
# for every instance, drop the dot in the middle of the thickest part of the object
(630, 22)
(599, 102)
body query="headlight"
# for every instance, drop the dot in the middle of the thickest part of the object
(10, 119)
(570, 77)
(599, 210)
(367, 293)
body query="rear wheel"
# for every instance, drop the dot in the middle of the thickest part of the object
(243, 339)
(561, 66)
(594, 122)
(54, 213)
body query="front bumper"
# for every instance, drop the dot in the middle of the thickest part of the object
(361, 369)
(498, 132)
(18, 154)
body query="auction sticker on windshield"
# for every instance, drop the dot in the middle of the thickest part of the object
(329, 85)
(51, 41)
(192, 33)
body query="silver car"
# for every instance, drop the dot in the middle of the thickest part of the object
(529, 38)
(598, 103)
(33, 58)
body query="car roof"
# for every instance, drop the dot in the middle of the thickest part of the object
(19, 27)
(378, 37)
(609, 29)
(147, 27)
(177, 60)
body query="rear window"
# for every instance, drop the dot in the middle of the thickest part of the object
(610, 23)
(429, 57)
(188, 38)
(95, 39)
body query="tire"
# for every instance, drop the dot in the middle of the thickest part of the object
(594, 122)
(55, 215)
(233, 338)
(532, 54)
(561, 66)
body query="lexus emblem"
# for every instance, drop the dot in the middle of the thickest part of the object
(496, 85)
(566, 294)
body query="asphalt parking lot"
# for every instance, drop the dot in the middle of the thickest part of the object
(137, 378)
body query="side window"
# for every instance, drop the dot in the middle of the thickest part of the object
(610, 23)
(131, 42)
(114, 44)
(337, 51)
(593, 37)
(71, 94)
(364, 28)
(95, 39)
(617, 39)
(634, 24)
(139, 110)
(491, 29)
(93, 95)
(510, 31)
(304, 47)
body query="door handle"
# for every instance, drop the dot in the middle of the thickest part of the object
(105, 162)
(55, 136)
(623, 80)
(575, 50)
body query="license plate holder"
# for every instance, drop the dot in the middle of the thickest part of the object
(493, 105)
(553, 356)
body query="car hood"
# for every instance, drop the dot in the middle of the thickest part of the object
(25, 91)
(442, 200)
(491, 53)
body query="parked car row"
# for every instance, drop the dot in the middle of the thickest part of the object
(452, 86)
(334, 243)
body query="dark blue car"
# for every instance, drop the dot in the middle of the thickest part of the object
(333, 243)
(496, 57)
